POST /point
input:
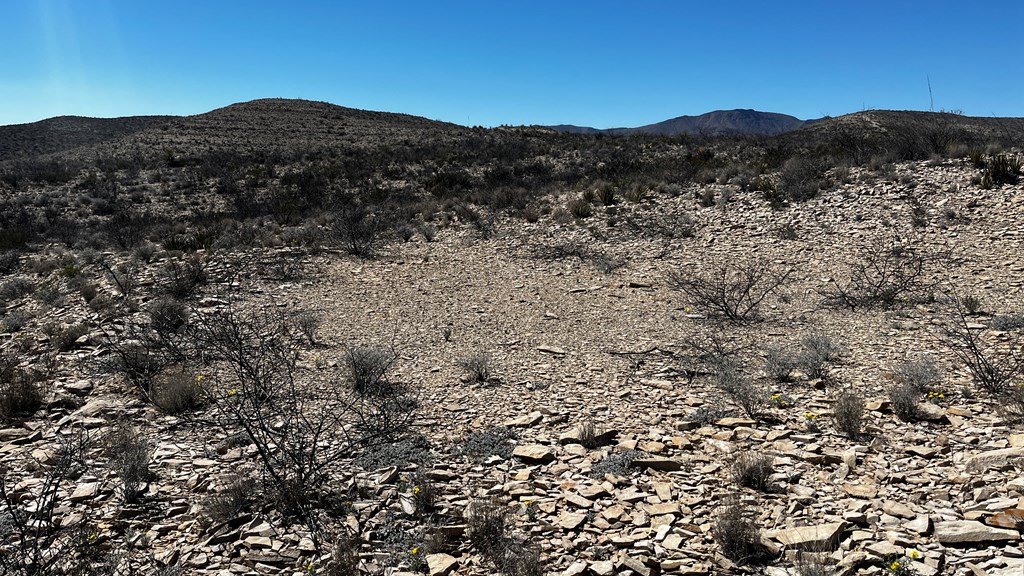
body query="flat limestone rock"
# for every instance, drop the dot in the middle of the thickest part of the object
(993, 459)
(534, 453)
(549, 349)
(441, 564)
(810, 537)
(656, 463)
(571, 520)
(971, 532)
(861, 490)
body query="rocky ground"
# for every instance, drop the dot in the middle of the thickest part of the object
(582, 328)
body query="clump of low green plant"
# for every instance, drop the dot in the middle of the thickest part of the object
(616, 464)
(482, 444)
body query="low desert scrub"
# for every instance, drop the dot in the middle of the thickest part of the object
(734, 292)
(167, 315)
(618, 464)
(1000, 169)
(753, 470)
(1007, 322)
(129, 455)
(848, 413)
(817, 351)
(920, 373)
(750, 395)
(64, 338)
(483, 444)
(478, 366)
(308, 322)
(737, 534)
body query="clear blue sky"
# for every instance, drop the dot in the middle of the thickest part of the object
(598, 62)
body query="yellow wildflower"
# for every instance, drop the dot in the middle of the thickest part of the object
(415, 551)
(416, 490)
(915, 554)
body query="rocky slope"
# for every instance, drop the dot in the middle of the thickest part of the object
(582, 327)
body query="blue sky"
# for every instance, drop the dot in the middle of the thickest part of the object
(600, 63)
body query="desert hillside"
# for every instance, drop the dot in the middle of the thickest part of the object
(293, 338)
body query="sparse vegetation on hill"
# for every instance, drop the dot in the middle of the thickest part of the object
(605, 355)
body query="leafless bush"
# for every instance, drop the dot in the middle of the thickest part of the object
(848, 413)
(124, 275)
(129, 458)
(34, 544)
(737, 534)
(753, 470)
(887, 274)
(994, 368)
(167, 315)
(302, 420)
(734, 292)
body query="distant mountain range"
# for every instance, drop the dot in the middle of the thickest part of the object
(717, 123)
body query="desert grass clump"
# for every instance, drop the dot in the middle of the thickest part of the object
(750, 395)
(779, 363)
(848, 413)
(487, 522)
(580, 208)
(753, 470)
(368, 367)
(129, 458)
(183, 277)
(19, 396)
(167, 315)
(1001, 169)
(478, 366)
(737, 533)
(232, 500)
(65, 338)
(177, 391)
(308, 322)
(903, 398)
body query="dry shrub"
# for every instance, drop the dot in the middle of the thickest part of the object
(753, 470)
(737, 534)
(848, 413)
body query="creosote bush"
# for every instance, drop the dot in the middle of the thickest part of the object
(734, 292)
